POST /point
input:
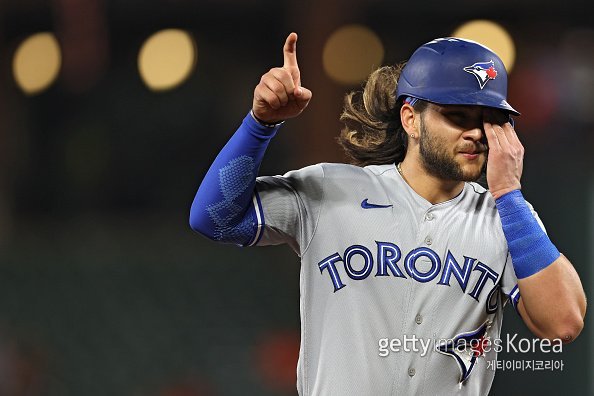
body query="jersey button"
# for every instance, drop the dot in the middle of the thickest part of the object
(428, 240)
(412, 372)
(429, 216)
(419, 319)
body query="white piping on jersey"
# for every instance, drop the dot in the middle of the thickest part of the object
(512, 297)
(259, 217)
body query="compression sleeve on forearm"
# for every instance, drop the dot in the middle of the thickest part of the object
(530, 248)
(222, 209)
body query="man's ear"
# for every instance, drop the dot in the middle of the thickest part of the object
(408, 118)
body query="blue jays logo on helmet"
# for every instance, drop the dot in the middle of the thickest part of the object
(440, 71)
(483, 71)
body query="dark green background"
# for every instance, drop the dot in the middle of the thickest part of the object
(104, 289)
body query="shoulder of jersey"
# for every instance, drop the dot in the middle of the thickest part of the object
(339, 169)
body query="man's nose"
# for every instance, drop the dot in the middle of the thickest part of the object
(476, 133)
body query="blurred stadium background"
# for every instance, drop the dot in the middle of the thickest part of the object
(111, 112)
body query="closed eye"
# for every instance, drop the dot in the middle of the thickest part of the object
(466, 117)
(460, 118)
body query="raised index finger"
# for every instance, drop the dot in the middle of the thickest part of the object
(290, 51)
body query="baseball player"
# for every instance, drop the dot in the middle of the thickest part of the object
(406, 261)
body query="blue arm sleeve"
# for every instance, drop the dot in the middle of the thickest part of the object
(222, 209)
(529, 246)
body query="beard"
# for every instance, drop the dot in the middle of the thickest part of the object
(441, 163)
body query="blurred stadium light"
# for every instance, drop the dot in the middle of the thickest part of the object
(351, 53)
(167, 59)
(492, 35)
(37, 62)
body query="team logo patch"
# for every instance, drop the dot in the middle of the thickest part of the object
(467, 348)
(483, 71)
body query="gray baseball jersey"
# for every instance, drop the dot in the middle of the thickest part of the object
(381, 268)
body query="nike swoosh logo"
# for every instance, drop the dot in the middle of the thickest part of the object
(367, 205)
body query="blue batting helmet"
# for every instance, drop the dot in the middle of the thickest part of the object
(455, 71)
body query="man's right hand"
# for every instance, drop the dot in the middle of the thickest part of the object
(279, 95)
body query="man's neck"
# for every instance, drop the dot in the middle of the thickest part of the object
(430, 187)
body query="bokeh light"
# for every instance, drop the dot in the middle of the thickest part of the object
(167, 59)
(37, 62)
(491, 35)
(351, 53)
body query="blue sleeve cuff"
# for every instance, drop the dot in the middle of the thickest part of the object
(529, 246)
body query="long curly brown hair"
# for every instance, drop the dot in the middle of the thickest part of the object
(373, 133)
